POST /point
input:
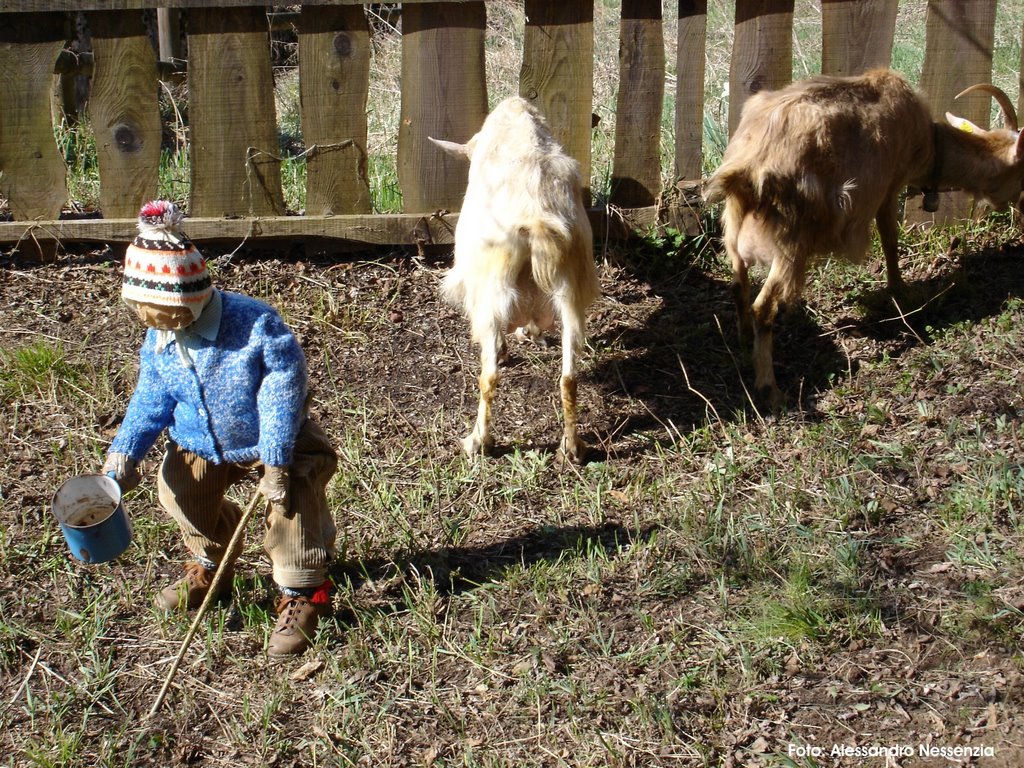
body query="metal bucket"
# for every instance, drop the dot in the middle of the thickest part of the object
(92, 518)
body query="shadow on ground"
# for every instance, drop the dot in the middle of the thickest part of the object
(457, 570)
(685, 363)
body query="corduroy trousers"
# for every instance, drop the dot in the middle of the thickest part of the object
(300, 543)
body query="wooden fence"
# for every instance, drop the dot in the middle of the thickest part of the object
(235, 189)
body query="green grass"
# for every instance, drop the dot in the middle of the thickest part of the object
(37, 368)
(77, 145)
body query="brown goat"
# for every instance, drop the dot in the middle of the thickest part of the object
(812, 164)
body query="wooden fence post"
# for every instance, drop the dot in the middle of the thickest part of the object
(856, 36)
(684, 212)
(34, 176)
(444, 95)
(558, 73)
(1020, 75)
(236, 163)
(334, 83)
(958, 54)
(124, 111)
(636, 168)
(762, 54)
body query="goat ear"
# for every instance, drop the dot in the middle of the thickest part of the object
(1019, 151)
(964, 125)
(451, 147)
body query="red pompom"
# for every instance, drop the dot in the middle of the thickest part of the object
(154, 208)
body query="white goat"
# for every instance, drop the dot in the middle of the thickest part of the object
(523, 250)
(812, 164)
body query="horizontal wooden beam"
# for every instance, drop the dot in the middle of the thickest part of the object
(367, 230)
(383, 229)
(126, 5)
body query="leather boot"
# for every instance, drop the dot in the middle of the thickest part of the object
(297, 619)
(188, 592)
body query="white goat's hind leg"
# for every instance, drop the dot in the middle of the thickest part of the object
(572, 447)
(491, 345)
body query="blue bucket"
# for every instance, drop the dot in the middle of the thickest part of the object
(92, 518)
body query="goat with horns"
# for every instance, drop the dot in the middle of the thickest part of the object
(812, 164)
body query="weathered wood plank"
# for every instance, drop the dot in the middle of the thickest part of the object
(1020, 76)
(690, 67)
(684, 205)
(124, 111)
(334, 84)
(762, 55)
(444, 95)
(856, 36)
(236, 165)
(636, 166)
(383, 229)
(360, 230)
(34, 175)
(558, 72)
(958, 53)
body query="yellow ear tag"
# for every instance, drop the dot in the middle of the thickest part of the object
(966, 127)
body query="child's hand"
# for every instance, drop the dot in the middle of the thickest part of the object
(124, 469)
(274, 486)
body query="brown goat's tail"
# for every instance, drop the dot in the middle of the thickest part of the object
(780, 196)
(714, 189)
(727, 180)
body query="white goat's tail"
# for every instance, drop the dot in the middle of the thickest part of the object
(453, 288)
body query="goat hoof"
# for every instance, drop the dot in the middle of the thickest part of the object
(572, 451)
(473, 446)
(774, 398)
(897, 289)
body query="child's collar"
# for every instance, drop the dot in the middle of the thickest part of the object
(206, 327)
(208, 324)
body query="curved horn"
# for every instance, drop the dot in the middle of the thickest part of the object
(1009, 113)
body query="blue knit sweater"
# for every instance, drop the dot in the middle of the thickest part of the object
(243, 400)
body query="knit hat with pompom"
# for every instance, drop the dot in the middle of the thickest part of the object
(162, 266)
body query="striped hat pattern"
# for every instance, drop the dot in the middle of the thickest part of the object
(162, 266)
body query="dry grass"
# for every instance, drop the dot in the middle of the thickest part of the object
(713, 589)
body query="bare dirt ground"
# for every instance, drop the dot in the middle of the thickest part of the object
(663, 353)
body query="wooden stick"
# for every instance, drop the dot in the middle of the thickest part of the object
(211, 594)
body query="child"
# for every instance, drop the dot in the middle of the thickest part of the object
(227, 379)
